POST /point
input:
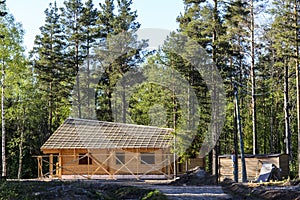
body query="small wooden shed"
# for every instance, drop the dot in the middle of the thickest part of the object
(253, 165)
(82, 148)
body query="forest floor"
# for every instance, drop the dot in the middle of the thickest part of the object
(73, 190)
(193, 185)
(143, 190)
(286, 190)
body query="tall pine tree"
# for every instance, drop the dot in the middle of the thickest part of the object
(119, 52)
(49, 61)
(71, 15)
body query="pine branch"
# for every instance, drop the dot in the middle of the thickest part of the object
(2, 14)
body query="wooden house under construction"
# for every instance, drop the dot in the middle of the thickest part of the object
(82, 148)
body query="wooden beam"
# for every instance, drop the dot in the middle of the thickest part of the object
(124, 165)
(51, 165)
(100, 165)
(40, 166)
(49, 151)
(57, 169)
(158, 167)
(60, 165)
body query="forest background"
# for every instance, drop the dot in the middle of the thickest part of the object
(257, 61)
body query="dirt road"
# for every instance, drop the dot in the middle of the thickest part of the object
(186, 192)
(192, 192)
(207, 192)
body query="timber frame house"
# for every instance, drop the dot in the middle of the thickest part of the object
(92, 149)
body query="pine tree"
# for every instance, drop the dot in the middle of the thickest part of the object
(90, 33)
(237, 34)
(72, 13)
(283, 46)
(296, 23)
(202, 22)
(119, 52)
(54, 75)
(105, 23)
(191, 22)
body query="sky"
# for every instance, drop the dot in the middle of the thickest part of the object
(151, 14)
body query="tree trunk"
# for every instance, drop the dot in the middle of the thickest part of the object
(297, 77)
(239, 125)
(214, 110)
(124, 103)
(89, 106)
(174, 123)
(253, 84)
(78, 82)
(235, 153)
(22, 129)
(50, 113)
(20, 155)
(77, 66)
(3, 146)
(271, 129)
(273, 110)
(286, 110)
(3, 123)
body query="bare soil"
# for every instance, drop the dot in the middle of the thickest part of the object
(286, 190)
(194, 185)
(282, 190)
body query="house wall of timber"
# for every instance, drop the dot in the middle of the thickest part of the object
(253, 165)
(88, 163)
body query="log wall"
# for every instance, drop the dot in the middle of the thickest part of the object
(104, 162)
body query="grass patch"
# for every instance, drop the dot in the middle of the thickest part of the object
(155, 195)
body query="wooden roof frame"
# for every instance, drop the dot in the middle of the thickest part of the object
(93, 134)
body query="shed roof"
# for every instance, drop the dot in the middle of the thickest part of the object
(255, 156)
(93, 134)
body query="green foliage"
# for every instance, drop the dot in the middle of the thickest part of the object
(201, 23)
(155, 195)
(119, 52)
(20, 93)
(53, 73)
(147, 104)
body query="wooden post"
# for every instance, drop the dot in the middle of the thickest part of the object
(187, 164)
(75, 159)
(174, 158)
(111, 163)
(40, 166)
(57, 169)
(88, 156)
(51, 165)
(59, 165)
(137, 163)
(169, 164)
(109, 153)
